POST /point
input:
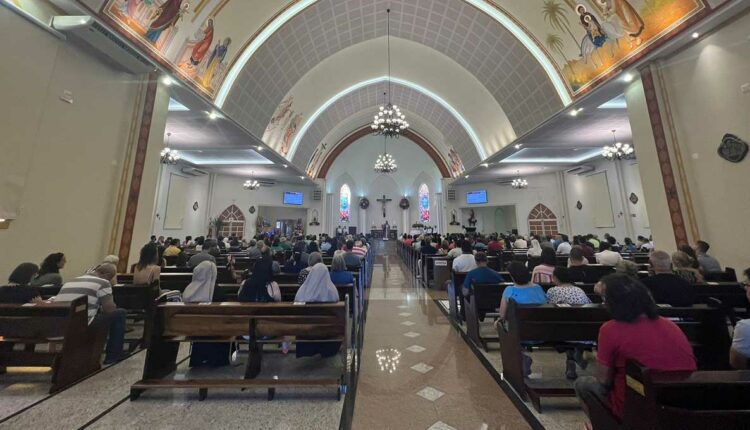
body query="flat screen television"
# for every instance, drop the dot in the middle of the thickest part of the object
(293, 198)
(476, 197)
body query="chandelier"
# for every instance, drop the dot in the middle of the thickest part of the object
(251, 184)
(385, 163)
(389, 121)
(169, 156)
(519, 183)
(618, 150)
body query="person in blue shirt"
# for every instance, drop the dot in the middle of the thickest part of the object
(339, 273)
(481, 275)
(523, 291)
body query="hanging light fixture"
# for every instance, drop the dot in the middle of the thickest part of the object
(618, 150)
(389, 121)
(251, 184)
(519, 182)
(385, 163)
(169, 156)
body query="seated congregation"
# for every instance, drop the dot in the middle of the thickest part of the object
(664, 329)
(229, 299)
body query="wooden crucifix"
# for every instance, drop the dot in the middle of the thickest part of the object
(384, 201)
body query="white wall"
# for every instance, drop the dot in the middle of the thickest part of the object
(354, 167)
(195, 223)
(546, 189)
(60, 163)
(703, 85)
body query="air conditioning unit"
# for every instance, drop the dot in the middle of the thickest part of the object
(266, 182)
(317, 194)
(506, 181)
(451, 195)
(87, 30)
(192, 171)
(580, 170)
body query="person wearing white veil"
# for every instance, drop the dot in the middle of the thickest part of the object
(317, 288)
(201, 288)
(535, 250)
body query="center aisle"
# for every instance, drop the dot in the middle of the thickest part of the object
(416, 370)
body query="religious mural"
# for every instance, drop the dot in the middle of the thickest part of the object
(282, 127)
(589, 39)
(456, 165)
(312, 165)
(199, 51)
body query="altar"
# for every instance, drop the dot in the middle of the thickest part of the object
(378, 234)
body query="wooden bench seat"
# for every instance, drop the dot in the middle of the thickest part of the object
(64, 323)
(659, 400)
(179, 322)
(705, 327)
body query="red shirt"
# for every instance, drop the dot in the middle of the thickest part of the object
(657, 344)
(494, 246)
(408, 242)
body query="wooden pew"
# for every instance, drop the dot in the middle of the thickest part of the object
(48, 323)
(705, 328)
(660, 400)
(177, 323)
(443, 267)
(140, 303)
(728, 275)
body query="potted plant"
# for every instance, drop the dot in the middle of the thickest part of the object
(215, 225)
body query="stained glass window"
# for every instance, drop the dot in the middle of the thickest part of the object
(424, 203)
(345, 200)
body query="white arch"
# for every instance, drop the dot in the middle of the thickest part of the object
(494, 12)
(465, 124)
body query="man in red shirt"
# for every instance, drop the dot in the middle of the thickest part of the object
(637, 332)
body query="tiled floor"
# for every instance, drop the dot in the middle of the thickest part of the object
(421, 375)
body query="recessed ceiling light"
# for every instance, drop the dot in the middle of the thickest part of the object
(260, 148)
(518, 146)
(167, 80)
(302, 177)
(2, 219)
(575, 112)
(628, 77)
(696, 35)
(213, 115)
(485, 164)
(466, 177)
(285, 166)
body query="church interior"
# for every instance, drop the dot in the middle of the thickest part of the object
(375, 214)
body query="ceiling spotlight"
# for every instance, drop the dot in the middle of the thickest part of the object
(575, 112)
(485, 165)
(213, 115)
(167, 80)
(696, 35)
(260, 148)
(517, 146)
(302, 177)
(628, 77)
(285, 166)
(466, 177)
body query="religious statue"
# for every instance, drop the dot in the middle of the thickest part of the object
(472, 218)
(386, 228)
(384, 201)
(453, 218)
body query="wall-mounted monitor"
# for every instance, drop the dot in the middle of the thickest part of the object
(293, 198)
(476, 197)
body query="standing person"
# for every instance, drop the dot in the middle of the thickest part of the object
(18, 290)
(148, 270)
(102, 310)
(636, 331)
(49, 271)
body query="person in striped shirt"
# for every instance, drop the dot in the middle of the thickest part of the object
(359, 250)
(102, 310)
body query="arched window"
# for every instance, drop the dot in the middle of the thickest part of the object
(234, 222)
(542, 221)
(424, 203)
(345, 200)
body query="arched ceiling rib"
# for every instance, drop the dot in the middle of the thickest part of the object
(470, 37)
(369, 97)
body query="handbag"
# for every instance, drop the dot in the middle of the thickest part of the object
(274, 291)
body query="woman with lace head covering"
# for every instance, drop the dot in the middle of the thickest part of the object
(317, 288)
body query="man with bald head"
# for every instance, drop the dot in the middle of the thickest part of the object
(102, 310)
(665, 286)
